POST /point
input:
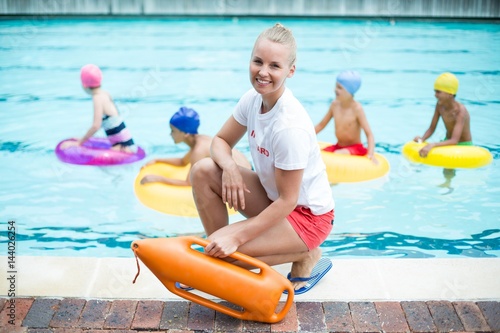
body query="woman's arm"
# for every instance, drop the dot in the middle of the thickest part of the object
(233, 187)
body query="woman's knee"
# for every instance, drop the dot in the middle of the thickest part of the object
(201, 170)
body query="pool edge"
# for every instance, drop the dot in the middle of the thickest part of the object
(348, 280)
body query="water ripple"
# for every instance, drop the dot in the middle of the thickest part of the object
(409, 246)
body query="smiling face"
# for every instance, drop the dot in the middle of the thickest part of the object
(270, 67)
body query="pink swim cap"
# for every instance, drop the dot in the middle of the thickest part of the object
(91, 76)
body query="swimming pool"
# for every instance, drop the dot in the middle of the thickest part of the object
(153, 66)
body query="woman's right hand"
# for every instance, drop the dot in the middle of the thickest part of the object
(418, 139)
(233, 187)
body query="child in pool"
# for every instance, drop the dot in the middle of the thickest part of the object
(105, 113)
(184, 128)
(455, 116)
(349, 118)
(286, 200)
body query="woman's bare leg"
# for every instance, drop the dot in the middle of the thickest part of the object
(278, 245)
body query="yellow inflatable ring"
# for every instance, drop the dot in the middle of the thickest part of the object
(342, 168)
(168, 199)
(449, 157)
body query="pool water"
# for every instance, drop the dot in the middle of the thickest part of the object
(154, 66)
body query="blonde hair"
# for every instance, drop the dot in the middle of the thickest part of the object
(281, 35)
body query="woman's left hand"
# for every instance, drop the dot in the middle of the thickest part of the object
(221, 247)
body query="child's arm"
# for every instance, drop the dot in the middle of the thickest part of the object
(455, 136)
(363, 122)
(177, 161)
(431, 128)
(96, 123)
(326, 119)
(160, 179)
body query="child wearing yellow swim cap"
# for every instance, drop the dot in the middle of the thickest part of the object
(455, 116)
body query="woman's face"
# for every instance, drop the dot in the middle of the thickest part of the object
(270, 67)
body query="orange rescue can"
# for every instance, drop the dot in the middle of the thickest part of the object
(257, 292)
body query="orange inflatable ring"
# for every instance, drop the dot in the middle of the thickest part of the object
(168, 199)
(343, 168)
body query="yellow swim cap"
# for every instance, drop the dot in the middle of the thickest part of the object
(447, 82)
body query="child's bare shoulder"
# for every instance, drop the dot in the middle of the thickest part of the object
(357, 107)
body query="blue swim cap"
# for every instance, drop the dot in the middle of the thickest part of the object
(186, 120)
(350, 80)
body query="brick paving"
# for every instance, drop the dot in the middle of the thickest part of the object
(76, 315)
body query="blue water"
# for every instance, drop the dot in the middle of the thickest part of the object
(153, 66)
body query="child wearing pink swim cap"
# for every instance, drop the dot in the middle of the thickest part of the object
(349, 118)
(106, 114)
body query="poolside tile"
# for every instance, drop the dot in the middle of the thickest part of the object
(418, 316)
(174, 315)
(364, 317)
(471, 316)
(94, 314)
(338, 317)
(201, 318)
(41, 312)
(491, 311)
(290, 323)
(445, 317)
(22, 306)
(255, 326)
(391, 316)
(120, 314)
(148, 315)
(225, 323)
(68, 313)
(311, 317)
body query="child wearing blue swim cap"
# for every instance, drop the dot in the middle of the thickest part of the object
(349, 118)
(184, 129)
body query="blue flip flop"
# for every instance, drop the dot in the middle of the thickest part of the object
(178, 285)
(321, 268)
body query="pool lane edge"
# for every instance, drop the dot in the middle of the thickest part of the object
(349, 280)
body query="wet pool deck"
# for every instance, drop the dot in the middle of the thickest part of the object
(66, 295)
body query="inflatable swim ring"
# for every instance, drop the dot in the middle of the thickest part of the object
(96, 151)
(449, 157)
(168, 199)
(342, 168)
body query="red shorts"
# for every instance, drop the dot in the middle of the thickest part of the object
(357, 149)
(312, 229)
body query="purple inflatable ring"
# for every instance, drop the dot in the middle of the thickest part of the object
(96, 151)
